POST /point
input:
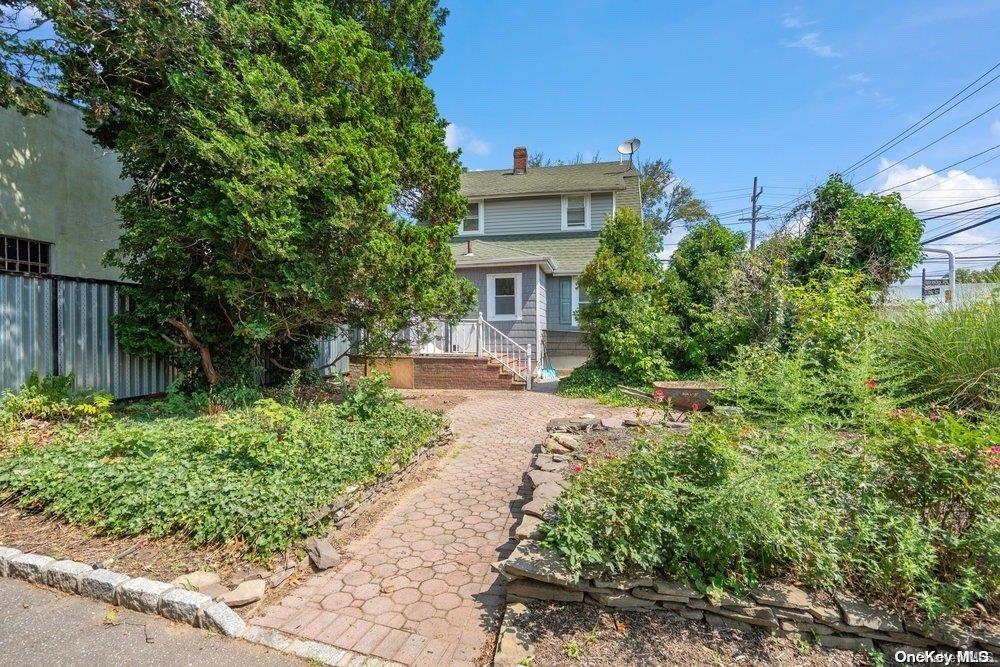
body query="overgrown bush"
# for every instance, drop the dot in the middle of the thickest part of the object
(246, 475)
(52, 398)
(700, 272)
(626, 323)
(951, 357)
(591, 381)
(910, 514)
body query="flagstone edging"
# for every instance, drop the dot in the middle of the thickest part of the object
(839, 621)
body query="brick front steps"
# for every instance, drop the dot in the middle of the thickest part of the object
(440, 371)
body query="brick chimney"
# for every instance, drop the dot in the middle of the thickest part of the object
(520, 160)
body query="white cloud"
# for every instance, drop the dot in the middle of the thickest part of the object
(456, 137)
(27, 17)
(859, 77)
(793, 21)
(812, 43)
(944, 193)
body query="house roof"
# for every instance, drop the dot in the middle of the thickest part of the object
(558, 253)
(591, 177)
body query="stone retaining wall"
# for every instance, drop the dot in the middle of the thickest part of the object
(840, 621)
(345, 509)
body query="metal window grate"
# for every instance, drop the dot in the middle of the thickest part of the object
(24, 255)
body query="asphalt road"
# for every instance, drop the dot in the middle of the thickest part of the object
(39, 626)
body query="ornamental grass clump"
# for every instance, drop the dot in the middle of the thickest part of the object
(246, 476)
(910, 515)
(949, 357)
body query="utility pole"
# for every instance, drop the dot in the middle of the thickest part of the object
(755, 216)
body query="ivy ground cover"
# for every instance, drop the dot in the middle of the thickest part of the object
(248, 476)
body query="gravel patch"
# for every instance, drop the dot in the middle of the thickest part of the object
(582, 634)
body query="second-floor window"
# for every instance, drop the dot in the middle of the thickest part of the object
(24, 255)
(576, 212)
(472, 223)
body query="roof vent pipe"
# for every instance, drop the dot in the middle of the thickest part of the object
(468, 248)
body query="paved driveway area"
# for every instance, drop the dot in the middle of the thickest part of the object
(418, 589)
(43, 627)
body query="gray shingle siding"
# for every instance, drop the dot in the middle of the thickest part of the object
(523, 330)
(541, 305)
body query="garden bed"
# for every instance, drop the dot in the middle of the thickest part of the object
(177, 486)
(841, 620)
(585, 635)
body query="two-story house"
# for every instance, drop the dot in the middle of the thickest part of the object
(527, 236)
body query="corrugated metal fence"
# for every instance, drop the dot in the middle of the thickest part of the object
(63, 325)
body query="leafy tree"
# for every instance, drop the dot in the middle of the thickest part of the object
(24, 58)
(288, 166)
(700, 273)
(626, 322)
(872, 234)
(991, 275)
(666, 199)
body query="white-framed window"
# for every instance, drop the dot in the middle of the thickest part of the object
(474, 218)
(576, 211)
(579, 296)
(503, 296)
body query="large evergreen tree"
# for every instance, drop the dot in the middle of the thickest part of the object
(288, 169)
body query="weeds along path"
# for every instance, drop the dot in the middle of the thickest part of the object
(418, 588)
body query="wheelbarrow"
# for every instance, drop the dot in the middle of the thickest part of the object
(686, 395)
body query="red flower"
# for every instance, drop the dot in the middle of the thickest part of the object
(576, 468)
(871, 383)
(933, 415)
(696, 406)
(609, 455)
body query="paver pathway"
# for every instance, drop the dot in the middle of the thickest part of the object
(419, 589)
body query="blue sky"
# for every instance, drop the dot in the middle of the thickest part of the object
(786, 92)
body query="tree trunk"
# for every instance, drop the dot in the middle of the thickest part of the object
(204, 354)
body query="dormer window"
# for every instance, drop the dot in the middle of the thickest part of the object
(576, 212)
(472, 223)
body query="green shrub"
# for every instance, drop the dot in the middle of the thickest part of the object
(52, 398)
(951, 357)
(245, 475)
(910, 514)
(829, 315)
(700, 272)
(626, 322)
(591, 381)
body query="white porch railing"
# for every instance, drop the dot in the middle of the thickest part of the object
(477, 337)
(513, 356)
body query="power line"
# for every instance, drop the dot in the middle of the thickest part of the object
(953, 164)
(960, 230)
(917, 126)
(966, 210)
(958, 203)
(942, 137)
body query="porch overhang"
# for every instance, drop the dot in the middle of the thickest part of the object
(547, 264)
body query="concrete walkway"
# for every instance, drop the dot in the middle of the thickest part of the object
(418, 589)
(40, 626)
